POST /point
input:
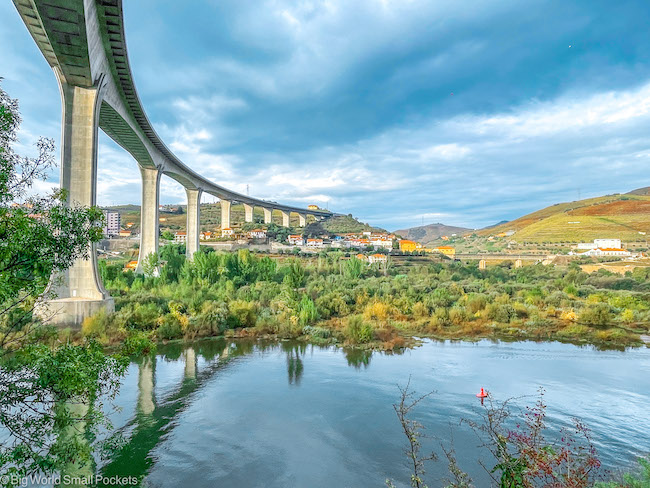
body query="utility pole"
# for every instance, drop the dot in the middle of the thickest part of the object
(247, 194)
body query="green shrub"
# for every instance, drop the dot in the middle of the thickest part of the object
(170, 328)
(241, 314)
(358, 331)
(138, 343)
(317, 332)
(598, 314)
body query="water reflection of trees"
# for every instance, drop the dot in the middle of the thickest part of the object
(358, 357)
(295, 365)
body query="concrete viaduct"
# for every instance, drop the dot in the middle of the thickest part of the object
(84, 43)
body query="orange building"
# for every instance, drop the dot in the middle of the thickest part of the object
(406, 245)
(446, 250)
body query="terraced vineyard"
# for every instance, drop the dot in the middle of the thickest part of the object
(622, 216)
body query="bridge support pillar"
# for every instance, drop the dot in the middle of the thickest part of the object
(302, 220)
(285, 219)
(193, 220)
(225, 214)
(79, 291)
(268, 215)
(149, 214)
(248, 213)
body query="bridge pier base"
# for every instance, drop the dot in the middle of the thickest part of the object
(302, 220)
(78, 291)
(193, 220)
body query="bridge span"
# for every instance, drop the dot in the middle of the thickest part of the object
(84, 43)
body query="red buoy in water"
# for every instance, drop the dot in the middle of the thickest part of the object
(482, 394)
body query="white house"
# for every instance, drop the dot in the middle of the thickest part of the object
(227, 232)
(296, 240)
(314, 242)
(377, 258)
(257, 234)
(180, 237)
(601, 243)
(608, 251)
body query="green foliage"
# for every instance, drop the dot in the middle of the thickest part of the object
(354, 268)
(48, 380)
(295, 277)
(150, 264)
(598, 314)
(358, 331)
(138, 343)
(307, 312)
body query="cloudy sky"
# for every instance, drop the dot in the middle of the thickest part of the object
(397, 111)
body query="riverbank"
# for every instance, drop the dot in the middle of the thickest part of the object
(340, 300)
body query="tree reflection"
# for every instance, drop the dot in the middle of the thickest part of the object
(358, 357)
(294, 361)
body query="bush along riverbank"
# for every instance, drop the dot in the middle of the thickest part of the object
(335, 299)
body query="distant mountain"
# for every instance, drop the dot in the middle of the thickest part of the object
(617, 216)
(645, 191)
(427, 233)
(496, 225)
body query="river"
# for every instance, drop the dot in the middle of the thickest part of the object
(243, 414)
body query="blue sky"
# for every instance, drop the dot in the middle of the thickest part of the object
(397, 111)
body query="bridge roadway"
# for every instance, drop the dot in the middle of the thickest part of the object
(84, 43)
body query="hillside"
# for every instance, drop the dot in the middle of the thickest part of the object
(211, 219)
(622, 216)
(428, 233)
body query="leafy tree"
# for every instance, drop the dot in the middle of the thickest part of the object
(150, 264)
(41, 236)
(44, 391)
(167, 235)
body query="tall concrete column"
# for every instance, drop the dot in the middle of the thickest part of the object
(302, 220)
(78, 291)
(193, 219)
(268, 215)
(149, 214)
(225, 214)
(248, 213)
(285, 219)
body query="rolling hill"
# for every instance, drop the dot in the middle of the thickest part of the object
(428, 233)
(620, 216)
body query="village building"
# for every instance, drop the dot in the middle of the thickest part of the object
(257, 234)
(409, 246)
(180, 237)
(296, 240)
(377, 258)
(314, 242)
(446, 250)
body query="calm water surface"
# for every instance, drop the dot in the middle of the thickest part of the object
(241, 414)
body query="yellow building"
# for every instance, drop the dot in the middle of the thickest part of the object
(312, 207)
(446, 250)
(406, 245)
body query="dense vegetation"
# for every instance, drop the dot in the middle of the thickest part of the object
(332, 298)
